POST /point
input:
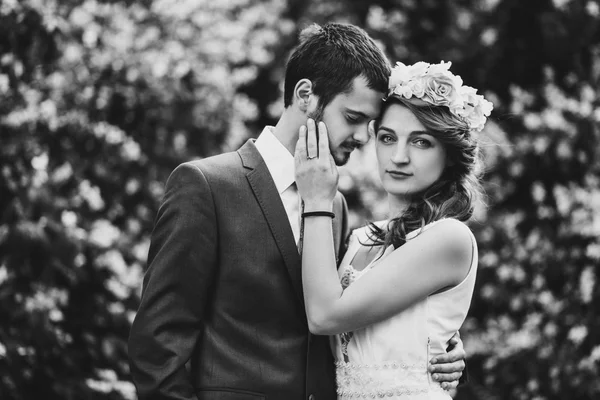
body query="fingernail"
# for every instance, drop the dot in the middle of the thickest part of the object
(434, 360)
(444, 385)
(436, 376)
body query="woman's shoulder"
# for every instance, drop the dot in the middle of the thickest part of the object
(450, 236)
(447, 244)
(443, 226)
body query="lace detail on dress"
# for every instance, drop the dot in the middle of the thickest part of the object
(390, 379)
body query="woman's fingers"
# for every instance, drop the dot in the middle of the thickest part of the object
(301, 144)
(332, 163)
(316, 174)
(312, 150)
(313, 143)
(323, 139)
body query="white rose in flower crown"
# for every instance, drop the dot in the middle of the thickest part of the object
(440, 90)
(469, 95)
(417, 88)
(480, 110)
(486, 106)
(458, 109)
(475, 108)
(436, 85)
(465, 103)
(468, 91)
(419, 69)
(440, 68)
(403, 91)
(476, 120)
(400, 74)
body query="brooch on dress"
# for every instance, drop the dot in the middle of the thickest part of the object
(347, 278)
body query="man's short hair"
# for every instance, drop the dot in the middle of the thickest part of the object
(331, 57)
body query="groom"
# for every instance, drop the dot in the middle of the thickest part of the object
(223, 287)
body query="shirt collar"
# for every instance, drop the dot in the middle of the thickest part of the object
(280, 162)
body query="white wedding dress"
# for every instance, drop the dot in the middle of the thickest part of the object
(389, 359)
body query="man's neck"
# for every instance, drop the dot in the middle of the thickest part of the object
(286, 130)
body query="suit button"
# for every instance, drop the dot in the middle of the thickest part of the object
(311, 397)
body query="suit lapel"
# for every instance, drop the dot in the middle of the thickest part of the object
(268, 198)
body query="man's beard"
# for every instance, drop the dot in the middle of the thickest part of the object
(340, 157)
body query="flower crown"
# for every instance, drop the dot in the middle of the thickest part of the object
(435, 84)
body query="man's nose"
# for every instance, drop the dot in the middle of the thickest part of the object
(401, 156)
(362, 134)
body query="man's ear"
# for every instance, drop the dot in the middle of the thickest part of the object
(303, 94)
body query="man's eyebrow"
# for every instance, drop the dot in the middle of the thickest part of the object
(359, 113)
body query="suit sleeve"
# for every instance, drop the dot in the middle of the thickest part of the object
(344, 231)
(181, 267)
(464, 378)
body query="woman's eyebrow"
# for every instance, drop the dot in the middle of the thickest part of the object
(412, 133)
(419, 133)
(385, 128)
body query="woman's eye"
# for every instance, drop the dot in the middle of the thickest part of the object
(424, 143)
(386, 139)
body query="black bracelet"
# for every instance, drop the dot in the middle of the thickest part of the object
(318, 214)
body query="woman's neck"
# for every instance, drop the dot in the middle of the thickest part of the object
(397, 205)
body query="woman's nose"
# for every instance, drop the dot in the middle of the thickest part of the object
(400, 156)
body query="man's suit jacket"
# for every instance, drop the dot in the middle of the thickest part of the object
(223, 290)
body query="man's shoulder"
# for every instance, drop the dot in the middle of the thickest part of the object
(220, 171)
(218, 165)
(228, 162)
(223, 160)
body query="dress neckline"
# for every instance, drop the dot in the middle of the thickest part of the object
(360, 234)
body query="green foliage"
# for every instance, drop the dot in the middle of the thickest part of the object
(100, 100)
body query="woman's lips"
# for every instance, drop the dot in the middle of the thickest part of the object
(399, 174)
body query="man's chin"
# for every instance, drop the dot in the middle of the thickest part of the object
(341, 158)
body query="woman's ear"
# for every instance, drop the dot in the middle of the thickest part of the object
(372, 128)
(303, 94)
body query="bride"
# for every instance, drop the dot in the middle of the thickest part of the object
(405, 284)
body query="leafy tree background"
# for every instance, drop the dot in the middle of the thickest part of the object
(101, 99)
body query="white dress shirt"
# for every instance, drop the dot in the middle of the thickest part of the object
(280, 163)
